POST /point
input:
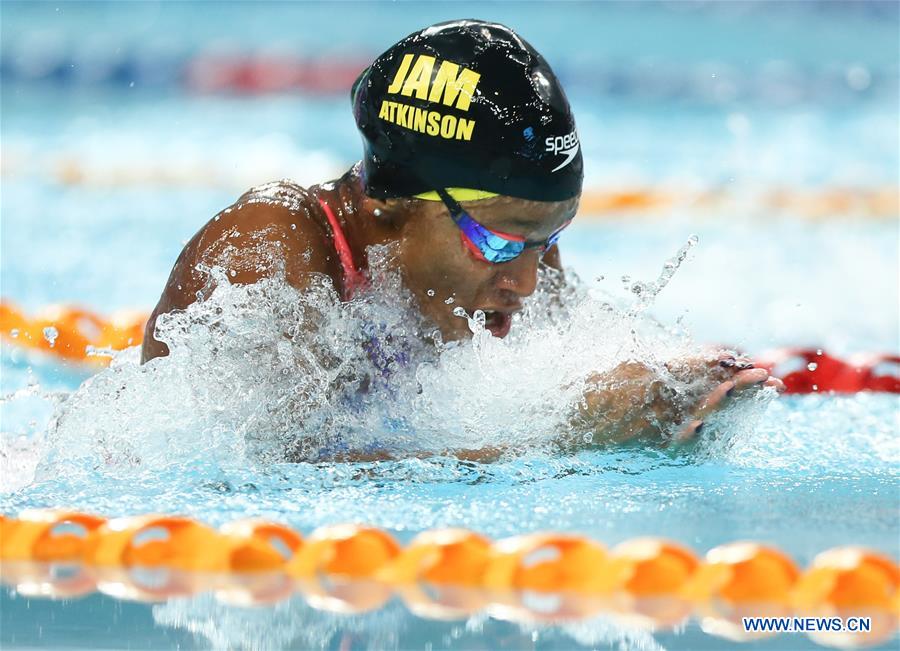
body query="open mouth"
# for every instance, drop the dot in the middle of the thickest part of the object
(497, 323)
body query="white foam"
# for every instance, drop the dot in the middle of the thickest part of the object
(266, 373)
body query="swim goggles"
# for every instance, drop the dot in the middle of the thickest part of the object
(489, 245)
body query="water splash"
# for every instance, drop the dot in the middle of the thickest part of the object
(266, 373)
(646, 292)
(50, 335)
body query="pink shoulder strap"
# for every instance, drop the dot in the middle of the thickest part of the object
(353, 278)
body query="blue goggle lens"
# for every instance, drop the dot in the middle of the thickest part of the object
(494, 247)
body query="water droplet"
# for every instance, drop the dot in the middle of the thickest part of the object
(588, 438)
(450, 301)
(458, 311)
(815, 387)
(430, 292)
(858, 78)
(812, 366)
(819, 352)
(50, 334)
(293, 227)
(232, 273)
(14, 333)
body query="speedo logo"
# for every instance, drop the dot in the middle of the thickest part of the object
(567, 145)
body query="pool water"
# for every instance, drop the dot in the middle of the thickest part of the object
(103, 184)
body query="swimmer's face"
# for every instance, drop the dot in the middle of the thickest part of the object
(443, 274)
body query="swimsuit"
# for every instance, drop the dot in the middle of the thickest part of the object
(354, 279)
(382, 360)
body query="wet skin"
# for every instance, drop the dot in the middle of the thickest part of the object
(281, 225)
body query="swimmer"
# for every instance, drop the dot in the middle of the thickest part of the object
(472, 167)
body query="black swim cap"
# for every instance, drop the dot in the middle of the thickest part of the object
(466, 104)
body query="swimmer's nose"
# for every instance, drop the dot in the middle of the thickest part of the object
(520, 274)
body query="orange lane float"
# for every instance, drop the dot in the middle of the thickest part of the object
(547, 577)
(649, 574)
(72, 333)
(259, 545)
(848, 577)
(547, 562)
(652, 566)
(850, 582)
(183, 544)
(743, 572)
(55, 580)
(737, 580)
(451, 562)
(454, 556)
(47, 535)
(336, 566)
(878, 203)
(446, 574)
(153, 540)
(344, 549)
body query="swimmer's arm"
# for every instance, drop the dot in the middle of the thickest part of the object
(633, 401)
(250, 241)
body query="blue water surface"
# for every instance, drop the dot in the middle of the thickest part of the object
(104, 183)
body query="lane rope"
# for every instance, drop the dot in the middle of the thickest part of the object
(355, 568)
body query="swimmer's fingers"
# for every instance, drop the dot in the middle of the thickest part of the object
(688, 433)
(742, 380)
(720, 365)
(749, 378)
(776, 384)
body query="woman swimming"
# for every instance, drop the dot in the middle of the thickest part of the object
(472, 168)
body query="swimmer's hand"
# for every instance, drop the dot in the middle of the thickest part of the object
(744, 382)
(634, 401)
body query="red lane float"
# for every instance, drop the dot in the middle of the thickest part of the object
(271, 74)
(811, 370)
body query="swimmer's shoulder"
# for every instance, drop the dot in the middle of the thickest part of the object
(274, 229)
(278, 220)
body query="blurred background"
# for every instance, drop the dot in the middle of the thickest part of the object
(769, 129)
